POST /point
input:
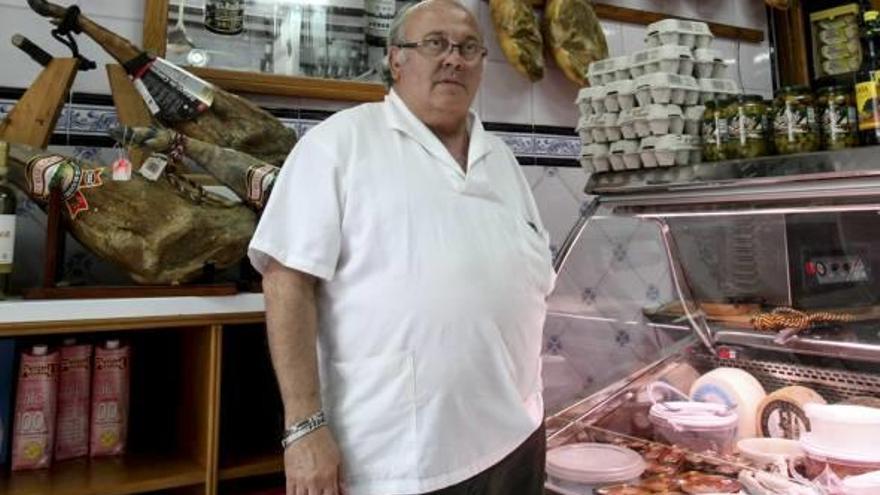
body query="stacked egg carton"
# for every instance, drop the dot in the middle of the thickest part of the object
(645, 110)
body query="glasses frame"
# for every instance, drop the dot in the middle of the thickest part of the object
(452, 46)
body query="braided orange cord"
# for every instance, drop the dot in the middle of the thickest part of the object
(781, 318)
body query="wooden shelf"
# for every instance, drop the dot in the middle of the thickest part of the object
(110, 476)
(253, 465)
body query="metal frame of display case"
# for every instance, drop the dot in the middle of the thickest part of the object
(840, 181)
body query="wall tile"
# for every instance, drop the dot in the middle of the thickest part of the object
(633, 38)
(508, 95)
(553, 99)
(614, 36)
(756, 65)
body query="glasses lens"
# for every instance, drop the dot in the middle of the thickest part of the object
(470, 50)
(434, 46)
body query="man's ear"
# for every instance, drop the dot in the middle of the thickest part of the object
(394, 58)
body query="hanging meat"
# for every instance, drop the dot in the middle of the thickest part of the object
(575, 37)
(250, 178)
(779, 4)
(519, 35)
(160, 232)
(182, 100)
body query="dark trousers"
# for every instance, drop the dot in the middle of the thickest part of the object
(520, 473)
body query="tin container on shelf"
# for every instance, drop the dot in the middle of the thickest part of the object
(714, 131)
(748, 127)
(837, 117)
(795, 126)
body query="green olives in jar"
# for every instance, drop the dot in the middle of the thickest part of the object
(837, 118)
(714, 131)
(795, 126)
(748, 127)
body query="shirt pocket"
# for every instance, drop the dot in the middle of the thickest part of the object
(535, 244)
(371, 409)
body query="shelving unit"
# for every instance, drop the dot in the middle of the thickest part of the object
(179, 376)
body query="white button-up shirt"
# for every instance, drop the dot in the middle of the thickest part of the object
(433, 295)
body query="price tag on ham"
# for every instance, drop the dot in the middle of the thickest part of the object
(153, 166)
(121, 169)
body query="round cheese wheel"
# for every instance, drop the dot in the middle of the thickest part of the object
(734, 388)
(781, 414)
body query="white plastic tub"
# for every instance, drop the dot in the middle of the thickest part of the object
(672, 59)
(766, 451)
(620, 95)
(625, 155)
(710, 89)
(596, 155)
(849, 429)
(863, 484)
(692, 34)
(709, 63)
(667, 88)
(821, 457)
(580, 468)
(586, 96)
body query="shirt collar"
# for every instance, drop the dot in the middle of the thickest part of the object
(400, 117)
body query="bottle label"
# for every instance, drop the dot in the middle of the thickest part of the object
(795, 120)
(838, 122)
(867, 102)
(7, 242)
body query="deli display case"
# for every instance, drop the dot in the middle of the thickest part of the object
(760, 365)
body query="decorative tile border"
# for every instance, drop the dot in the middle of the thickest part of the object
(94, 120)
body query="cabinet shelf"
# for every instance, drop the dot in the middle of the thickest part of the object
(244, 466)
(111, 476)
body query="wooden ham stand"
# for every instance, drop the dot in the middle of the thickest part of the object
(32, 121)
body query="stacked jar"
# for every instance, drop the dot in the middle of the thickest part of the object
(645, 110)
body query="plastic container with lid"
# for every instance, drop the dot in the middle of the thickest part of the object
(661, 87)
(770, 451)
(580, 468)
(586, 96)
(584, 130)
(692, 34)
(820, 457)
(712, 89)
(670, 59)
(596, 155)
(647, 152)
(698, 426)
(709, 63)
(665, 119)
(846, 428)
(608, 70)
(693, 119)
(625, 155)
(674, 149)
(620, 95)
(863, 484)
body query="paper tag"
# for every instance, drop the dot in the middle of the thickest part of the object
(153, 166)
(121, 169)
(7, 242)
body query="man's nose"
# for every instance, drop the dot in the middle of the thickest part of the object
(454, 56)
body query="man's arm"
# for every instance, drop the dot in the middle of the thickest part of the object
(312, 464)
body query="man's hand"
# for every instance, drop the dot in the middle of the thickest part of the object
(313, 465)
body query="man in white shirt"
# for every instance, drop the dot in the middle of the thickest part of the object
(405, 270)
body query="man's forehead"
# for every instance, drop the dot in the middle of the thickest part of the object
(442, 17)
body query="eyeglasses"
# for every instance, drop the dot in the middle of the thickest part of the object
(437, 46)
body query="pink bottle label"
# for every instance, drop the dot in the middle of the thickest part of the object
(109, 419)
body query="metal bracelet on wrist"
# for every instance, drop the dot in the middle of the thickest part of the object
(303, 428)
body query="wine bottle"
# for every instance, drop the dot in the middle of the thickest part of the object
(7, 226)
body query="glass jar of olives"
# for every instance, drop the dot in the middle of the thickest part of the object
(747, 125)
(714, 131)
(795, 127)
(838, 118)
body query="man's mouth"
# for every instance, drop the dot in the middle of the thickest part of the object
(450, 81)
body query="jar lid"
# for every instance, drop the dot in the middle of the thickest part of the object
(750, 98)
(795, 89)
(594, 463)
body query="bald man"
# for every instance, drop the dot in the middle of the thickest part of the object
(405, 274)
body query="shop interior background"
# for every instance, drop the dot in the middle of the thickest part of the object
(627, 269)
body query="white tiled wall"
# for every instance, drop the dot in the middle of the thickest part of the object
(506, 96)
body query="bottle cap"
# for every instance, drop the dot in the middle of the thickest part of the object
(40, 350)
(113, 344)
